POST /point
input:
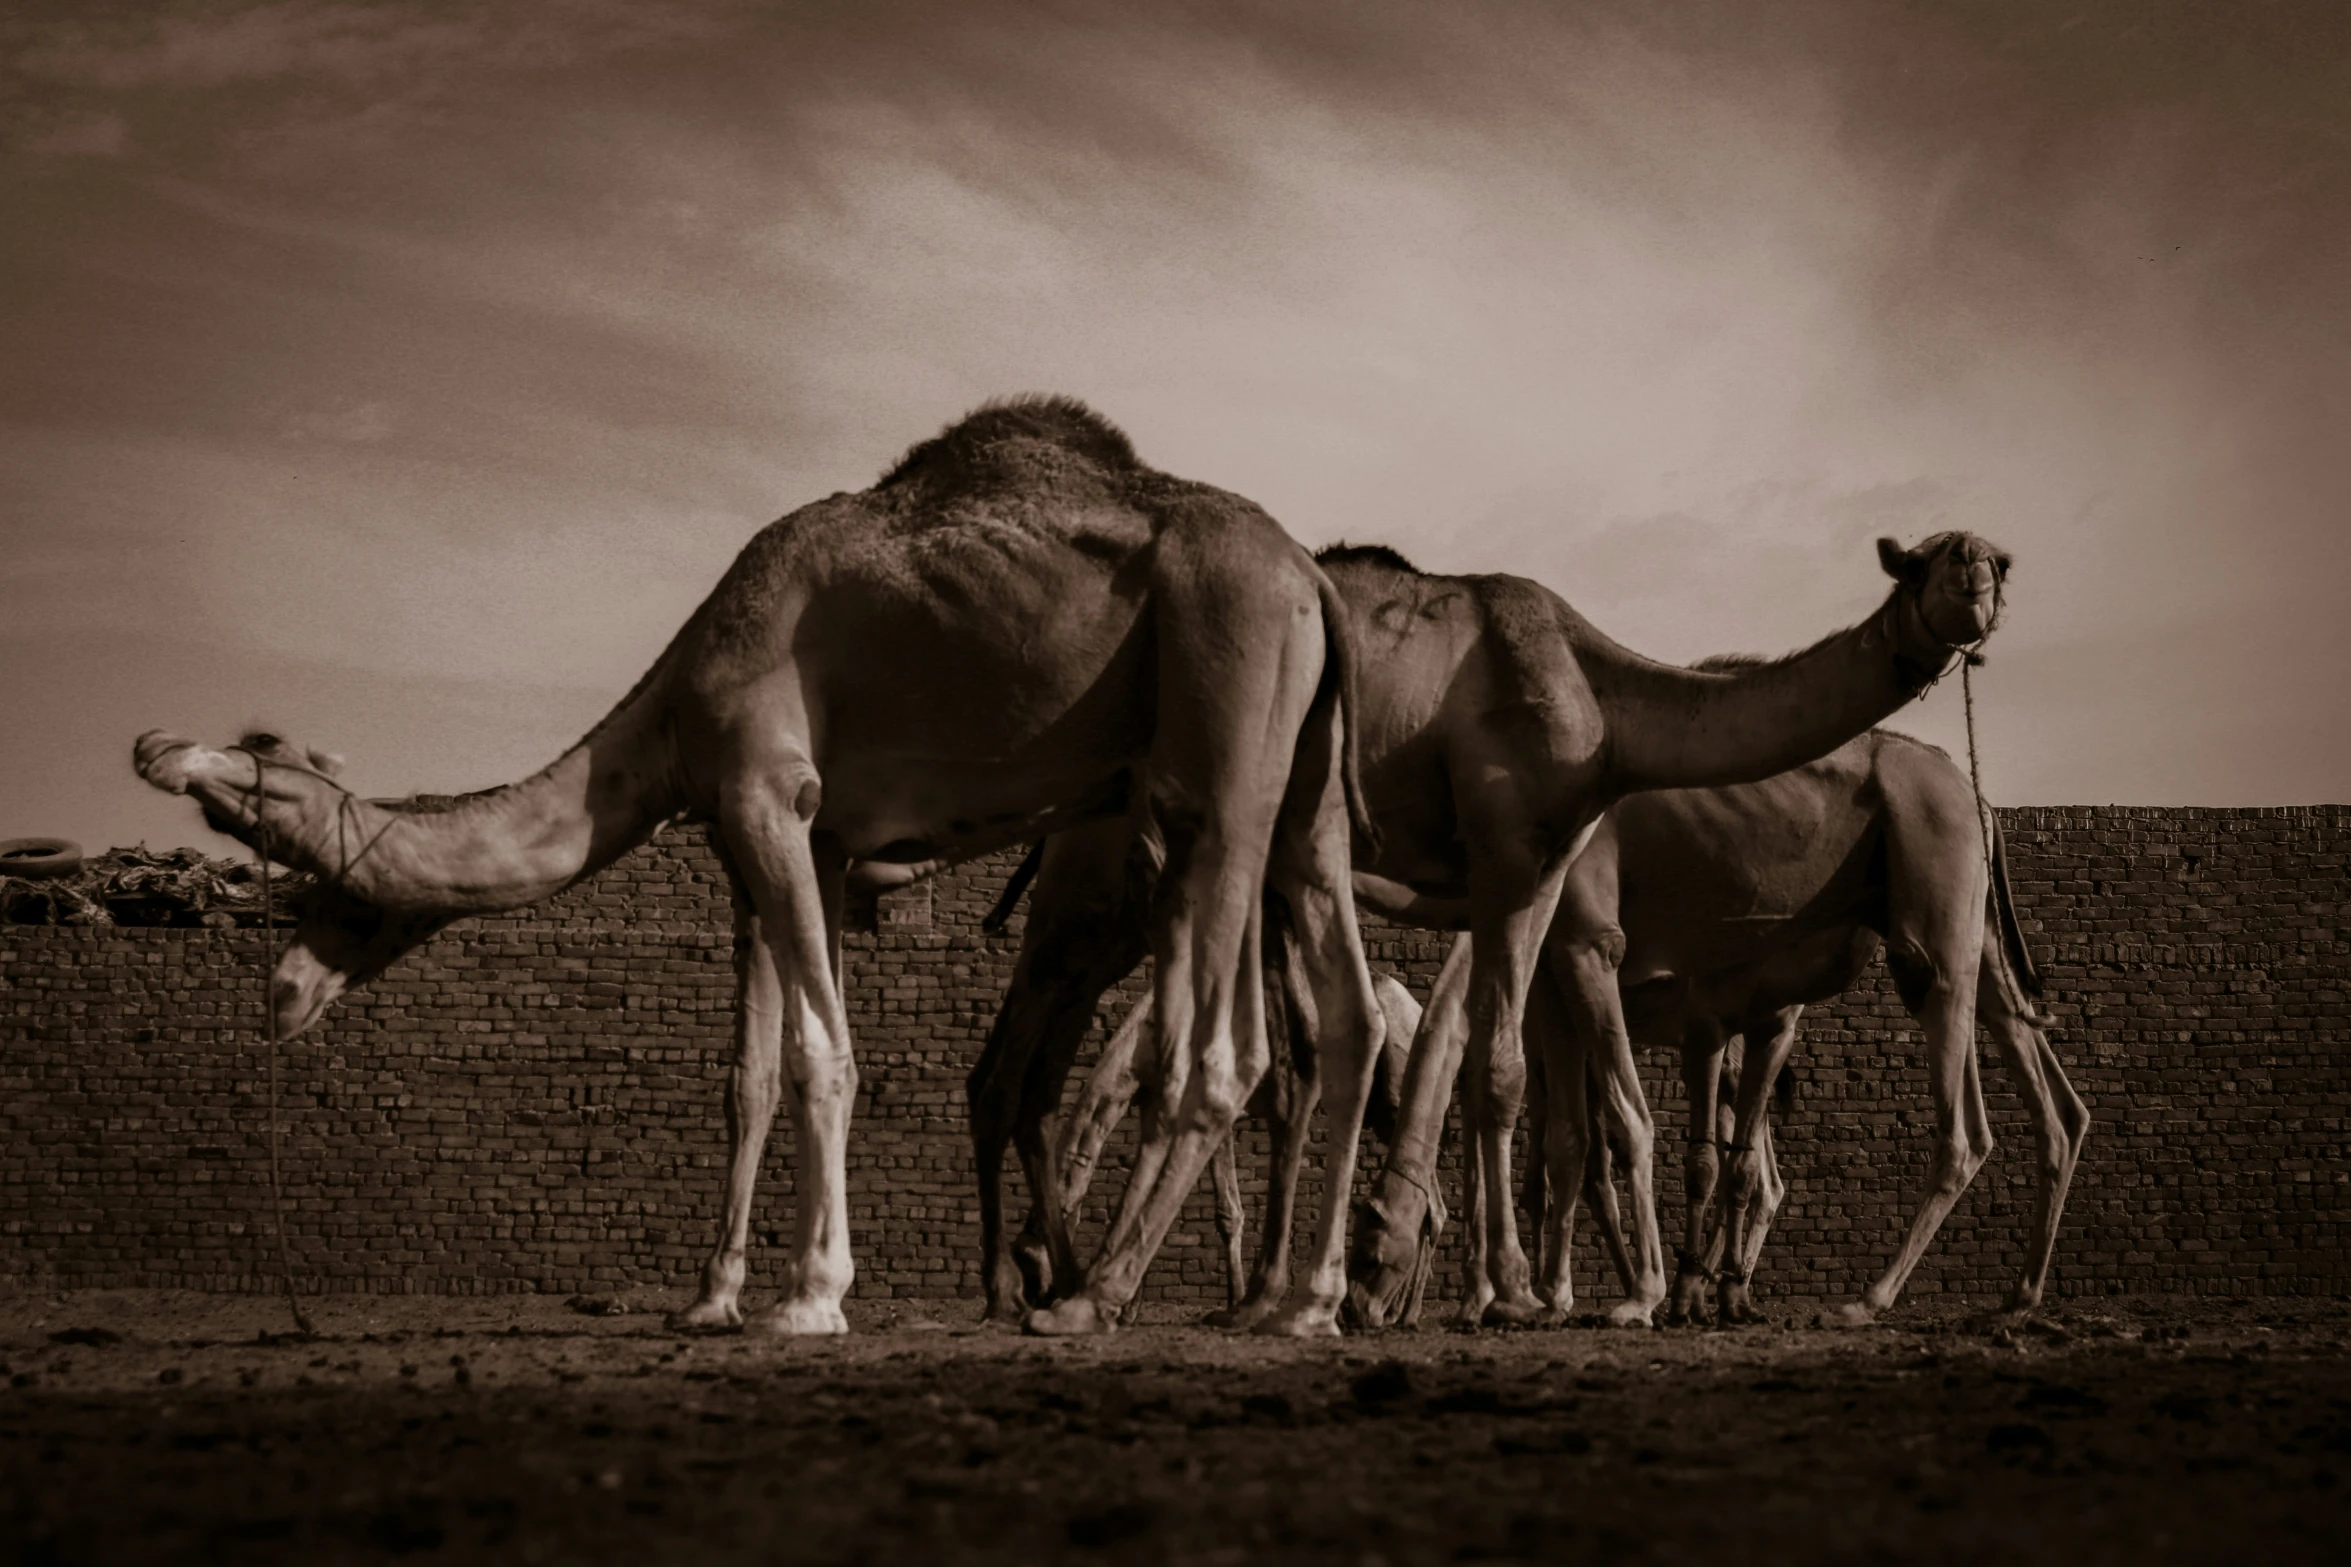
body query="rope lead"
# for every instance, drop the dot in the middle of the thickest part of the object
(1983, 816)
(269, 1013)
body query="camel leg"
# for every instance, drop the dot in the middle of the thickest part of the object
(1599, 1176)
(1199, 1103)
(1702, 1062)
(1333, 1006)
(1269, 1282)
(1389, 1265)
(1563, 1151)
(1771, 1191)
(1230, 1221)
(1963, 1129)
(1109, 1093)
(2061, 1123)
(754, 1087)
(1505, 944)
(794, 881)
(1595, 1168)
(1477, 1282)
(1767, 1043)
(1534, 1189)
(1587, 964)
(1228, 728)
(1119, 950)
(1086, 931)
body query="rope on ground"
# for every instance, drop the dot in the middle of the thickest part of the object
(269, 1013)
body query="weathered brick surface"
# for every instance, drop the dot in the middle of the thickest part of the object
(532, 1101)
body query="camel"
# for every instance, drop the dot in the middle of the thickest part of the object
(1020, 627)
(1734, 908)
(1496, 726)
(1285, 1097)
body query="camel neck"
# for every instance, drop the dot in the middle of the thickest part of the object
(1674, 728)
(512, 846)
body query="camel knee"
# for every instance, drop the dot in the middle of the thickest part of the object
(1637, 1134)
(1743, 1183)
(1701, 1167)
(753, 1092)
(1221, 1092)
(1957, 1164)
(2061, 1146)
(2074, 1116)
(826, 1076)
(1500, 1087)
(1596, 954)
(981, 1094)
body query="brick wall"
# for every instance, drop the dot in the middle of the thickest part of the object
(533, 1100)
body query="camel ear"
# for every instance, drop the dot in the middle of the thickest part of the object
(1907, 567)
(2001, 560)
(327, 762)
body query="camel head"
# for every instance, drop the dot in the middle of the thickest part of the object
(282, 800)
(1955, 579)
(1389, 1260)
(264, 790)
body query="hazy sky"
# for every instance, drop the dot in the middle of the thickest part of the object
(399, 376)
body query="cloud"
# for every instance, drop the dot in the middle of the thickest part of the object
(349, 422)
(197, 47)
(80, 136)
(438, 341)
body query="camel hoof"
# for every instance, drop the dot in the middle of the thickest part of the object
(1735, 1307)
(1302, 1321)
(1033, 1266)
(1004, 1314)
(1853, 1314)
(1632, 1314)
(802, 1318)
(1687, 1302)
(1238, 1319)
(1071, 1318)
(1511, 1312)
(706, 1316)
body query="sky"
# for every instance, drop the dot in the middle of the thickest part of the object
(399, 376)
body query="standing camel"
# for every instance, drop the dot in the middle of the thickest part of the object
(1734, 908)
(1019, 628)
(1496, 725)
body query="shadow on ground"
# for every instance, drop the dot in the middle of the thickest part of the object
(139, 1426)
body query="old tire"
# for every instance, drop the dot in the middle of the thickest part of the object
(39, 859)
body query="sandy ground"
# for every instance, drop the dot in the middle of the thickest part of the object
(160, 1426)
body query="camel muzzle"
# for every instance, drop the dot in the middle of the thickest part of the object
(302, 987)
(165, 760)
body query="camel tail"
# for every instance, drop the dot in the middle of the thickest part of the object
(1024, 873)
(2020, 957)
(1339, 657)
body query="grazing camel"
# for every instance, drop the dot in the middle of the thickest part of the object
(1286, 1097)
(1496, 725)
(1734, 908)
(1019, 628)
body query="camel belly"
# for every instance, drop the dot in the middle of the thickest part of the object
(909, 816)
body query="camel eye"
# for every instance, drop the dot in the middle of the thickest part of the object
(259, 742)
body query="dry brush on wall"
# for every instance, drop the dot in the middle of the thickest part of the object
(532, 1101)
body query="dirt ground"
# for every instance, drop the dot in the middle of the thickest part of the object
(162, 1426)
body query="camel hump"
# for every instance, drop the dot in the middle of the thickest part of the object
(1001, 439)
(1345, 554)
